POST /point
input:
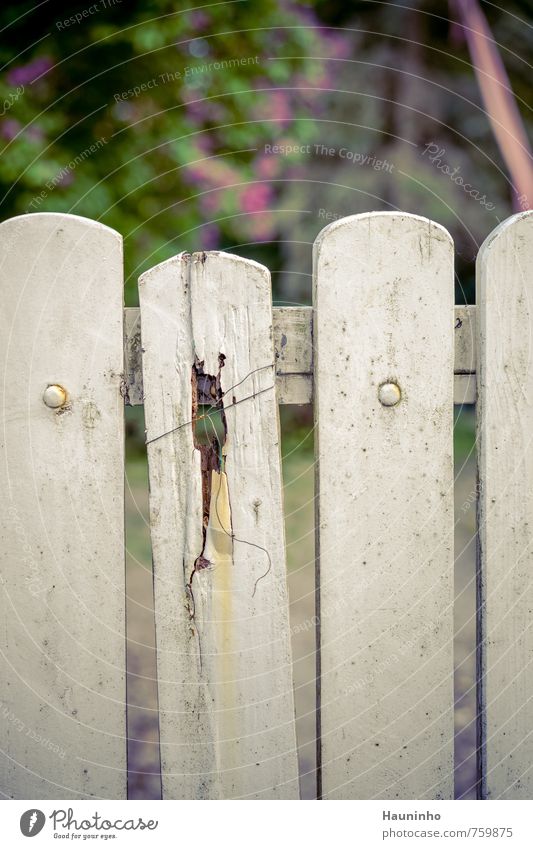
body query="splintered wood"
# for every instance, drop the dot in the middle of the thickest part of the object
(224, 662)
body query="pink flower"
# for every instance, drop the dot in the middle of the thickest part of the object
(203, 111)
(212, 173)
(204, 143)
(10, 128)
(261, 228)
(25, 74)
(267, 167)
(210, 203)
(339, 46)
(279, 108)
(256, 197)
(35, 133)
(200, 21)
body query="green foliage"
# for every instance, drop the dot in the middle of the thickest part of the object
(181, 104)
(176, 102)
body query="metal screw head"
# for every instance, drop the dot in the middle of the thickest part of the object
(389, 394)
(54, 396)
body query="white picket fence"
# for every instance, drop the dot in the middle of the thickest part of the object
(383, 355)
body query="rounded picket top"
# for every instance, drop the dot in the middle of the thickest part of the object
(392, 223)
(202, 257)
(157, 273)
(31, 222)
(516, 227)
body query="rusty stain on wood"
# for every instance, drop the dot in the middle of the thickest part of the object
(210, 452)
(206, 389)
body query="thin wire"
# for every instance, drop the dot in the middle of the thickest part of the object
(246, 376)
(243, 541)
(204, 415)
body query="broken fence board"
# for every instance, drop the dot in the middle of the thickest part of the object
(505, 505)
(62, 664)
(224, 663)
(383, 288)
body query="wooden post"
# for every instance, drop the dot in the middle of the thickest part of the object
(62, 664)
(384, 346)
(505, 508)
(224, 661)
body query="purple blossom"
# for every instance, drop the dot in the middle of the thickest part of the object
(210, 237)
(26, 74)
(256, 197)
(35, 133)
(200, 21)
(10, 128)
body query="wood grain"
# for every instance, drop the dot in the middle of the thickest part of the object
(62, 678)
(224, 663)
(384, 312)
(293, 351)
(505, 517)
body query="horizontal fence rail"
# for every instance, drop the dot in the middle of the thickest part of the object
(382, 355)
(293, 347)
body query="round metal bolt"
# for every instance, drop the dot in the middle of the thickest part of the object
(54, 396)
(389, 394)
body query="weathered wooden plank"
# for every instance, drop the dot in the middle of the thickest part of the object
(465, 340)
(383, 290)
(62, 678)
(505, 504)
(293, 340)
(293, 347)
(464, 389)
(294, 388)
(224, 664)
(133, 381)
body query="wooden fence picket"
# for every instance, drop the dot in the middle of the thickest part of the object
(384, 318)
(505, 515)
(224, 662)
(62, 660)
